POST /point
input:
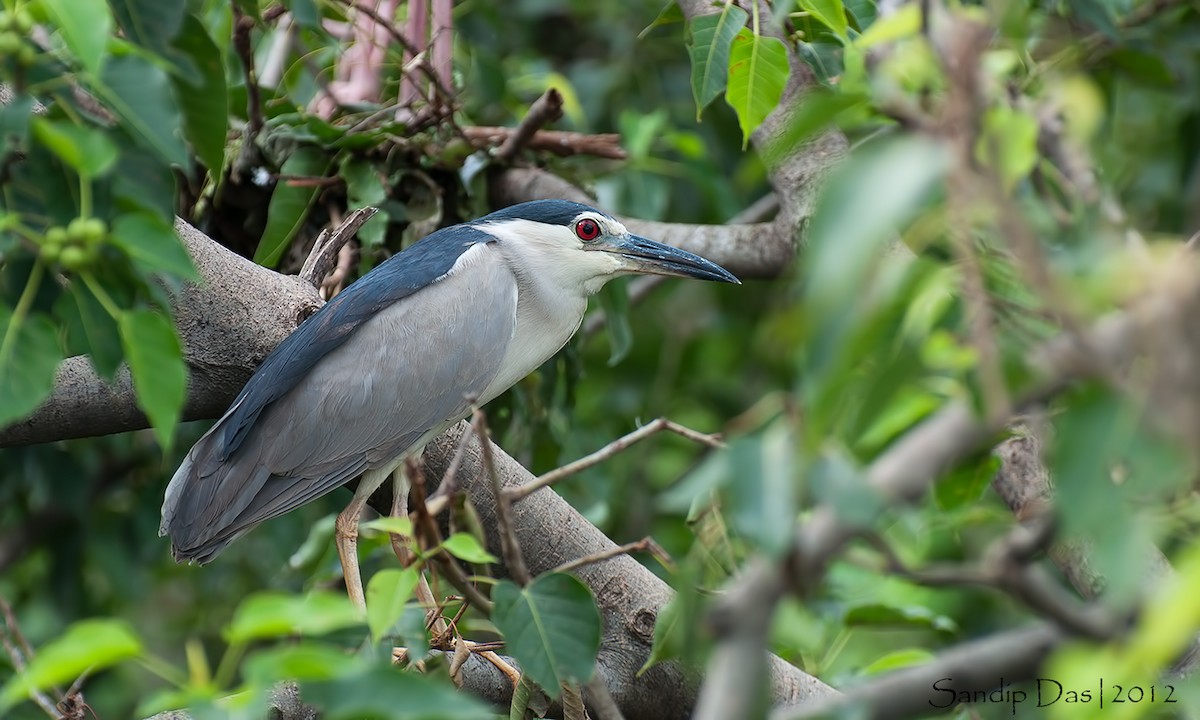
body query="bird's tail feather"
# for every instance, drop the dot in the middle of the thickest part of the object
(199, 508)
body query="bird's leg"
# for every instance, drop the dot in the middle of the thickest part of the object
(345, 534)
(400, 486)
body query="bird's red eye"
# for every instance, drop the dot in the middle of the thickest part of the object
(587, 229)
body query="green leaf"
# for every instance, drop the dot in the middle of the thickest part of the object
(967, 484)
(85, 25)
(708, 42)
(365, 188)
(88, 151)
(387, 594)
(893, 180)
(880, 615)
(152, 243)
(680, 629)
(820, 109)
(202, 98)
(156, 362)
(551, 627)
(614, 298)
(899, 659)
(905, 22)
(762, 499)
(466, 547)
(305, 661)
(396, 525)
(289, 204)
(1008, 144)
(276, 614)
(14, 122)
(305, 13)
(669, 15)
(140, 94)
(26, 367)
(142, 181)
(90, 330)
(382, 691)
(1146, 68)
(830, 13)
(758, 70)
(86, 646)
(152, 24)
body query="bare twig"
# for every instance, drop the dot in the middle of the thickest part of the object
(243, 25)
(415, 471)
(558, 142)
(546, 109)
(646, 544)
(509, 545)
(444, 495)
(654, 426)
(328, 244)
(1006, 568)
(20, 653)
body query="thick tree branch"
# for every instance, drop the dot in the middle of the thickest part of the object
(229, 324)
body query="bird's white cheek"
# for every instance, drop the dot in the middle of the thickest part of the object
(602, 266)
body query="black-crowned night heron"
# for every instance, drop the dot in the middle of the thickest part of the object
(395, 359)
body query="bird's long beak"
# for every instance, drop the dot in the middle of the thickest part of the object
(647, 256)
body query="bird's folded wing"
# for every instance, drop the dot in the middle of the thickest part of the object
(405, 373)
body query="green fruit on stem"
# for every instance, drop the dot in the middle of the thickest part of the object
(56, 235)
(74, 258)
(94, 231)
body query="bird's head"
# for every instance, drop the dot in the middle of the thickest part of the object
(589, 245)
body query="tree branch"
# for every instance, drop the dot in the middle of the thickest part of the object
(545, 110)
(229, 323)
(926, 689)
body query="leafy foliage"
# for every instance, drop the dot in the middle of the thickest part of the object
(551, 627)
(1051, 200)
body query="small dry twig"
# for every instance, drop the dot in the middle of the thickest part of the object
(424, 594)
(329, 244)
(559, 142)
(646, 544)
(657, 425)
(444, 495)
(20, 652)
(243, 25)
(546, 109)
(509, 546)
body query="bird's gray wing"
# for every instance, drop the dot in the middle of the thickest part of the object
(403, 374)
